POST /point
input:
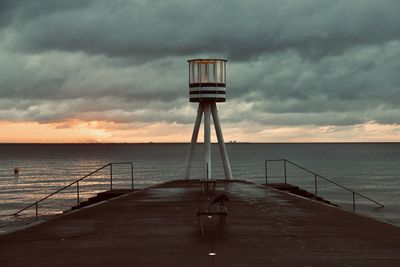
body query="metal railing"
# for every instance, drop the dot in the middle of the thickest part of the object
(110, 165)
(316, 176)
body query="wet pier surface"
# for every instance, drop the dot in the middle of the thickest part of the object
(158, 227)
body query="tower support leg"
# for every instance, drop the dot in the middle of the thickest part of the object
(221, 143)
(193, 142)
(207, 140)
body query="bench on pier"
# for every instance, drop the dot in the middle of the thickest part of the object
(208, 185)
(205, 211)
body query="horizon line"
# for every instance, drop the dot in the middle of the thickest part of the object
(231, 142)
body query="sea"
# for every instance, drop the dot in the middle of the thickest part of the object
(372, 170)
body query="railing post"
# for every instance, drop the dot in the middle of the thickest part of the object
(111, 177)
(207, 172)
(37, 207)
(77, 192)
(315, 184)
(284, 168)
(354, 202)
(132, 175)
(266, 172)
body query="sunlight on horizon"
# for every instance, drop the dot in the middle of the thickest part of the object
(75, 131)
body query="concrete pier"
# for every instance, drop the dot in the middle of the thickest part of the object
(158, 227)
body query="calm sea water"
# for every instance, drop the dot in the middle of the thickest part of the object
(368, 168)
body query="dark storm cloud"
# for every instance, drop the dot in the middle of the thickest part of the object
(239, 29)
(318, 62)
(362, 82)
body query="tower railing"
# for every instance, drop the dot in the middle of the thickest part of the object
(316, 177)
(76, 182)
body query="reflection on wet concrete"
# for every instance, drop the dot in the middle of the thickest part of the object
(157, 226)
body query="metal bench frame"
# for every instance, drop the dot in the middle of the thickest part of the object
(205, 210)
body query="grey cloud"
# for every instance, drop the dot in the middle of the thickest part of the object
(68, 76)
(23, 11)
(362, 78)
(314, 62)
(117, 110)
(315, 118)
(241, 30)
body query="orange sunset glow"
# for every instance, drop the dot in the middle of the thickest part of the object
(105, 132)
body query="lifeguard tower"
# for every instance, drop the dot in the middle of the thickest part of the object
(207, 86)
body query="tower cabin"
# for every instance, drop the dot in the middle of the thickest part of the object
(207, 80)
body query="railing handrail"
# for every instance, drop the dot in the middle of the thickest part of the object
(77, 181)
(320, 176)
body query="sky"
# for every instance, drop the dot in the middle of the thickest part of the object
(116, 71)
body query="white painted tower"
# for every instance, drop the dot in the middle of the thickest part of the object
(207, 86)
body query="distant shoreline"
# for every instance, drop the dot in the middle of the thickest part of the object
(186, 143)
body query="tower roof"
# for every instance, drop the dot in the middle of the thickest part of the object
(207, 60)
